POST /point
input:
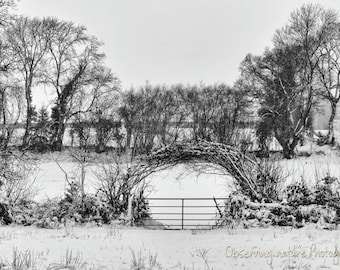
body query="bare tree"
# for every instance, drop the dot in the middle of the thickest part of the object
(5, 8)
(329, 68)
(128, 111)
(154, 117)
(28, 41)
(106, 123)
(11, 96)
(163, 114)
(284, 77)
(274, 79)
(143, 113)
(120, 182)
(75, 70)
(17, 177)
(176, 114)
(10, 113)
(215, 111)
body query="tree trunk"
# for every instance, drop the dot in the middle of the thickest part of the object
(29, 113)
(7, 137)
(330, 135)
(128, 138)
(288, 147)
(58, 135)
(62, 102)
(100, 144)
(288, 153)
(58, 144)
(59, 139)
(3, 121)
(163, 130)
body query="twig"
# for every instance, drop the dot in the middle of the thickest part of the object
(218, 208)
(65, 173)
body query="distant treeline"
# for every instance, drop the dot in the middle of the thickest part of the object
(142, 115)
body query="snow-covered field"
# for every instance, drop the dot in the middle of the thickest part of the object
(323, 161)
(177, 182)
(135, 248)
(183, 182)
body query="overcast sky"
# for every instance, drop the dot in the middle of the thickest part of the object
(175, 41)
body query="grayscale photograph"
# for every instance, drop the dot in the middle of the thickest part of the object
(169, 134)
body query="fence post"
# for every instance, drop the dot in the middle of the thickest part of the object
(182, 214)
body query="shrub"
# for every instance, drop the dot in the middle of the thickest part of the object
(299, 194)
(140, 208)
(16, 178)
(118, 181)
(5, 216)
(41, 131)
(44, 215)
(234, 210)
(327, 191)
(83, 208)
(321, 139)
(270, 179)
(39, 144)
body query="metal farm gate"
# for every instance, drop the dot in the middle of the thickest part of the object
(186, 213)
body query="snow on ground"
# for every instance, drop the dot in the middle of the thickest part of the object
(322, 161)
(182, 181)
(113, 248)
(178, 182)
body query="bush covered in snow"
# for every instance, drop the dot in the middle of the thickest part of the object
(72, 208)
(319, 205)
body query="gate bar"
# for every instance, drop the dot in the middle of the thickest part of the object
(182, 213)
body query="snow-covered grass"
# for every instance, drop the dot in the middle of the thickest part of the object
(135, 248)
(314, 163)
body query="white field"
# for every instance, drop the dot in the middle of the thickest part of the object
(113, 248)
(178, 182)
(182, 181)
(323, 161)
